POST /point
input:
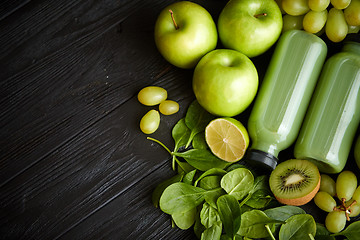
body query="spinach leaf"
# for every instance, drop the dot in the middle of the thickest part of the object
(213, 233)
(211, 172)
(184, 220)
(284, 212)
(260, 199)
(181, 197)
(180, 134)
(212, 196)
(183, 167)
(352, 232)
(189, 177)
(298, 227)
(230, 215)
(253, 224)
(202, 159)
(198, 227)
(197, 118)
(322, 233)
(260, 195)
(238, 182)
(199, 141)
(209, 215)
(210, 182)
(161, 187)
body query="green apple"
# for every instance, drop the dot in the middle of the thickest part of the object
(184, 33)
(250, 26)
(225, 82)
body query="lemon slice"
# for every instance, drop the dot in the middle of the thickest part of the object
(227, 138)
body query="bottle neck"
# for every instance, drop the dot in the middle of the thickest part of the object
(353, 47)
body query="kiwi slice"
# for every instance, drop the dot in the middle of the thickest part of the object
(295, 182)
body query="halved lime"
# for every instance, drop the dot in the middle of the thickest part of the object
(227, 138)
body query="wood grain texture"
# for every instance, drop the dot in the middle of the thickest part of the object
(73, 161)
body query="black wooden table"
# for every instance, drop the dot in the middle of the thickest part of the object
(73, 162)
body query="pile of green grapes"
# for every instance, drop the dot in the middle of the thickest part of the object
(340, 198)
(336, 18)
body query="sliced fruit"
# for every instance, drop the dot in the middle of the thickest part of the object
(295, 182)
(227, 138)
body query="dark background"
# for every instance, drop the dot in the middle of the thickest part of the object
(73, 162)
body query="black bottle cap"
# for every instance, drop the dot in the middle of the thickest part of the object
(260, 161)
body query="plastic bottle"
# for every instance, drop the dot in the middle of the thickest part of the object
(334, 113)
(283, 97)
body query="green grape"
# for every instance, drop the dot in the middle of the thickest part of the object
(149, 123)
(295, 7)
(354, 210)
(355, 29)
(340, 4)
(168, 107)
(318, 5)
(335, 221)
(292, 22)
(346, 184)
(314, 21)
(324, 201)
(327, 184)
(356, 195)
(152, 95)
(336, 27)
(352, 13)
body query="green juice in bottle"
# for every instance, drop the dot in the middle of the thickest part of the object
(334, 113)
(283, 96)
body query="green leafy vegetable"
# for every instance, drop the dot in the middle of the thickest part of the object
(229, 211)
(180, 134)
(199, 141)
(185, 220)
(238, 182)
(211, 172)
(209, 215)
(213, 233)
(298, 227)
(189, 177)
(284, 212)
(197, 118)
(322, 233)
(253, 224)
(161, 187)
(181, 197)
(202, 159)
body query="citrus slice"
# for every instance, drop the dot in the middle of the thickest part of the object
(227, 138)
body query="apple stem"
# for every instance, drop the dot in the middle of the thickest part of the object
(173, 19)
(260, 15)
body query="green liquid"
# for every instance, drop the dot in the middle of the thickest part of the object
(285, 93)
(334, 113)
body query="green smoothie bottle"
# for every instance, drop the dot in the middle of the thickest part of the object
(334, 113)
(283, 96)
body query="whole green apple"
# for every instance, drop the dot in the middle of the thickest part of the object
(225, 82)
(250, 26)
(185, 32)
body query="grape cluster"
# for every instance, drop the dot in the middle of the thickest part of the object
(340, 198)
(336, 18)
